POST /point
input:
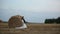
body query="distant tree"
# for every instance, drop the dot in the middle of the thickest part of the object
(58, 20)
(49, 20)
(5, 21)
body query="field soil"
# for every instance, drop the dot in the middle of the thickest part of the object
(32, 29)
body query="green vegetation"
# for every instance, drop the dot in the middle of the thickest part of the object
(50, 21)
(5, 21)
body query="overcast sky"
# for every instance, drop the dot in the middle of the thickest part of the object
(33, 10)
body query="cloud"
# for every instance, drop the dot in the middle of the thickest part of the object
(32, 5)
(44, 6)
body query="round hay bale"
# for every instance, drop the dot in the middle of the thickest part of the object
(1, 21)
(15, 21)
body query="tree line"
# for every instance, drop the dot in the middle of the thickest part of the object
(50, 21)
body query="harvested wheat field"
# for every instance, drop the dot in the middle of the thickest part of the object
(32, 29)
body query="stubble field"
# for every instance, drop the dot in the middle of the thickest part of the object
(32, 29)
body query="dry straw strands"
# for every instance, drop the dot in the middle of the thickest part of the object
(15, 21)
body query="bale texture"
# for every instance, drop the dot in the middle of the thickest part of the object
(15, 21)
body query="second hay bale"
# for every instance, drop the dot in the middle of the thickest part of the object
(15, 21)
(1, 21)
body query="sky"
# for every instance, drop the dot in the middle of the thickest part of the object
(32, 10)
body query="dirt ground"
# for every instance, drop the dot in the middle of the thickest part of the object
(32, 29)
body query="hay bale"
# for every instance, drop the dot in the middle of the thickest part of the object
(1, 21)
(15, 21)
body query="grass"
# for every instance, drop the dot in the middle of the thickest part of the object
(32, 29)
